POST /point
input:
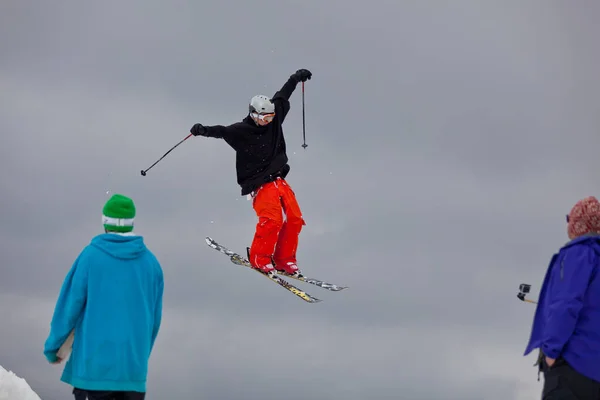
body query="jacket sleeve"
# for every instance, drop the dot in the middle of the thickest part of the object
(158, 309)
(226, 132)
(281, 98)
(69, 306)
(568, 285)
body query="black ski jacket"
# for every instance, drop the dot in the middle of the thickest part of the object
(260, 150)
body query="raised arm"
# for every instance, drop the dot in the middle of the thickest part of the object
(281, 98)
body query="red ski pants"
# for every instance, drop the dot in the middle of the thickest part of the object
(274, 236)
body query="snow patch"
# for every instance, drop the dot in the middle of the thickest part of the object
(14, 388)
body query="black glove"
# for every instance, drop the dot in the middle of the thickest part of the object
(302, 75)
(198, 129)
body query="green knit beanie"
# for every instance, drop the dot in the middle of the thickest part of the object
(118, 214)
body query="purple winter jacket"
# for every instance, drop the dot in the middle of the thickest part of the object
(567, 318)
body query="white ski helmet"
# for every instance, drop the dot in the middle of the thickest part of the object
(261, 104)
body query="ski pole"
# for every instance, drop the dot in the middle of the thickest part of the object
(303, 119)
(144, 171)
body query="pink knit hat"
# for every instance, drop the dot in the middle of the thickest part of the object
(584, 218)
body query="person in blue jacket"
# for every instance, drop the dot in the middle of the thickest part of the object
(112, 299)
(566, 326)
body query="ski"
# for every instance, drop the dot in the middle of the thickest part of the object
(312, 281)
(300, 277)
(242, 261)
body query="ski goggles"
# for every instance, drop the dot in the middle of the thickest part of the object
(263, 117)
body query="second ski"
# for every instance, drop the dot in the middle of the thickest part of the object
(239, 260)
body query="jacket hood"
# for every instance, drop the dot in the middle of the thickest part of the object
(126, 247)
(591, 238)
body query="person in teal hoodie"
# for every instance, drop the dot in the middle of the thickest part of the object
(566, 326)
(112, 299)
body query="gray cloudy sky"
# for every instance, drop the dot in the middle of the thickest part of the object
(445, 145)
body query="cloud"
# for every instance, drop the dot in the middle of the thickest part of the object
(445, 146)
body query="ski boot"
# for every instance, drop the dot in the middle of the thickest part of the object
(267, 269)
(289, 269)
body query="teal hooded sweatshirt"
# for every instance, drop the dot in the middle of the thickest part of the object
(112, 297)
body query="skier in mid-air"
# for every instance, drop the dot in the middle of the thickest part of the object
(261, 167)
